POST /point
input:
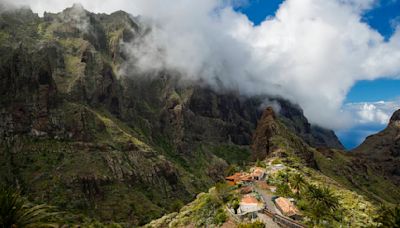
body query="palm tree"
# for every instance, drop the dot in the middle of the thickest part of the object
(389, 217)
(297, 182)
(396, 215)
(16, 212)
(322, 202)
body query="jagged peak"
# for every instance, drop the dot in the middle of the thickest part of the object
(78, 6)
(268, 113)
(75, 10)
(395, 117)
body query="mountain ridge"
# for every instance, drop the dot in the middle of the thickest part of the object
(125, 149)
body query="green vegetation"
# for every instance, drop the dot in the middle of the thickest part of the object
(388, 217)
(15, 211)
(233, 154)
(320, 203)
(256, 224)
(207, 210)
(297, 183)
(371, 183)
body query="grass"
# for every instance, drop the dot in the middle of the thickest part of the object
(233, 154)
(339, 166)
(205, 211)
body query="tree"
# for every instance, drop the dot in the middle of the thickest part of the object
(284, 190)
(388, 217)
(233, 168)
(259, 163)
(297, 183)
(322, 202)
(16, 212)
(224, 191)
(235, 205)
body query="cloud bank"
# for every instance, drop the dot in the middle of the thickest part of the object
(377, 113)
(368, 118)
(311, 52)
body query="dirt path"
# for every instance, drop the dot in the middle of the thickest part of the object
(267, 197)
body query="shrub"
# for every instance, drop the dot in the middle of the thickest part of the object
(15, 211)
(177, 205)
(220, 217)
(284, 190)
(388, 217)
(256, 224)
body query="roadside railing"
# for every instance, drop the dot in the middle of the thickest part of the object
(282, 220)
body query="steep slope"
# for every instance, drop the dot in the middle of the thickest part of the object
(383, 149)
(373, 168)
(77, 135)
(274, 143)
(369, 172)
(293, 117)
(273, 138)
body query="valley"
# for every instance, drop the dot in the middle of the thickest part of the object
(110, 147)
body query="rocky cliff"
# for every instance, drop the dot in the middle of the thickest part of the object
(372, 168)
(383, 149)
(76, 134)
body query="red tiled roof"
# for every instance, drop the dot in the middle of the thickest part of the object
(248, 199)
(286, 206)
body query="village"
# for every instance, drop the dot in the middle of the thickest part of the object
(259, 200)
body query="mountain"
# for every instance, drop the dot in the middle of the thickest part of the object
(383, 149)
(331, 170)
(373, 168)
(76, 134)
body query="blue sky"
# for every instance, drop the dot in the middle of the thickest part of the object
(383, 17)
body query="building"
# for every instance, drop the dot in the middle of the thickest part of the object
(239, 178)
(249, 203)
(234, 179)
(277, 167)
(258, 173)
(287, 208)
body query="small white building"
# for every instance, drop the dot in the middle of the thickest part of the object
(277, 167)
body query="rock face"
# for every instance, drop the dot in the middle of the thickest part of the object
(372, 169)
(316, 136)
(272, 137)
(383, 149)
(266, 129)
(75, 134)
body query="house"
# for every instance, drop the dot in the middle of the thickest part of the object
(238, 178)
(234, 179)
(258, 173)
(249, 203)
(287, 208)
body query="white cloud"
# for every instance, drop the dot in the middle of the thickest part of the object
(311, 52)
(372, 113)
